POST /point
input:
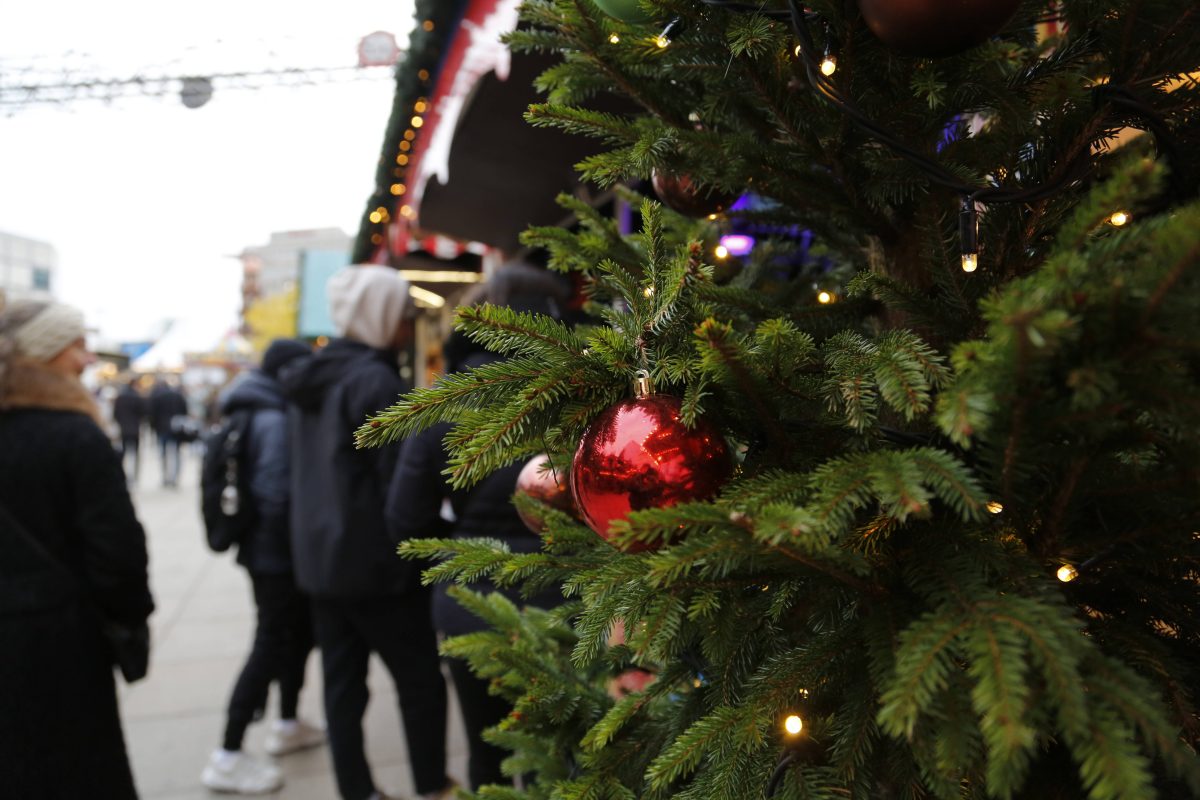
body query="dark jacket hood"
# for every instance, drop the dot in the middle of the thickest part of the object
(306, 381)
(252, 390)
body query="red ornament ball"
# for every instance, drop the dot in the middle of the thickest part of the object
(934, 28)
(682, 194)
(638, 454)
(547, 486)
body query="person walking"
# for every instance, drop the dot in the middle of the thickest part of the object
(129, 412)
(166, 403)
(364, 598)
(74, 590)
(283, 637)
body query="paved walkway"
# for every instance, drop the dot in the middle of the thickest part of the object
(201, 633)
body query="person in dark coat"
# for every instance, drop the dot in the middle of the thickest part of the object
(364, 598)
(283, 637)
(414, 504)
(165, 404)
(73, 567)
(129, 412)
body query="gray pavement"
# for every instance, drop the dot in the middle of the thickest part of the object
(201, 633)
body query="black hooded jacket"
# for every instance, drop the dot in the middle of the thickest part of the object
(340, 546)
(267, 550)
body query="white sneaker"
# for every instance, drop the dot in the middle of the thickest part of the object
(240, 774)
(292, 736)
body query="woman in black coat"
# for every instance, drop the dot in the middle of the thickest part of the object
(418, 490)
(73, 568)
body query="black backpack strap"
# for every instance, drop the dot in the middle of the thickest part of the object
(32, 580)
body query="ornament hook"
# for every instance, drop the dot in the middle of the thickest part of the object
(641, 383)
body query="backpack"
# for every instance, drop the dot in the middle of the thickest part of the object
(225, 499)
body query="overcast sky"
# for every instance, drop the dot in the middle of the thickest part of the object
(145, 200)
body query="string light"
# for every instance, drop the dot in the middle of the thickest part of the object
(613, 38)
(423, 75)
(406, 211)
(416, 122)
(828, 65)
(1067, 573)
(375, 217)
(968, 235)
(398, 189)
(721, 251)
(1118, 218)
(420, 107)
(797, 51)
(673, 29)
(409, 135)
(993, 507)
(824, 298)
(427, 25)
(792, 724)
(712, 217)
(402, 159)
(405, 145)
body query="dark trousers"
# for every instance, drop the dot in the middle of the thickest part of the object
(399, 629)
(282, 642)
(168, 450)
(130, 445)
(479, 710)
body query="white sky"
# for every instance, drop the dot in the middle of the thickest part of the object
(145, 200)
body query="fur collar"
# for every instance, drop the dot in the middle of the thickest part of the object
(28, 384)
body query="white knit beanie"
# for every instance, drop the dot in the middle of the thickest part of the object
(367, 303)
(39, 330)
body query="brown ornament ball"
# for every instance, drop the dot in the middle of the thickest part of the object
(680, 193)
(935, 28)
(541, 482)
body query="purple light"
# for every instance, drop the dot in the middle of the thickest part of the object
(737, 244)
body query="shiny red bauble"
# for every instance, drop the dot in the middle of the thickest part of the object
(638, 454)
(682, 194)
(934, 28)
(541, 482)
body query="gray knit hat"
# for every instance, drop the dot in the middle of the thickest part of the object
(38, 330)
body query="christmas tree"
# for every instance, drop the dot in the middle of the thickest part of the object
(903, 502)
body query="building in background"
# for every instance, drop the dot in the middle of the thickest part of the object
(272, 275)
(27, 266)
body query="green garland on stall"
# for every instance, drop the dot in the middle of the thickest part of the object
(435, 24)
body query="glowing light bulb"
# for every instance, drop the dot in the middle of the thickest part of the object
(375, 217)
(828, 66)
(1067, 573)
(613, 38)
(662, 41)
(1118, 218)
(416, 122)
(712, 217)
(648, 291)
(970, 262)
(797, 51)
(419, 107)
(398, 189)
(824, 298)
(721, 251)
(793, 724)
(994, 508)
